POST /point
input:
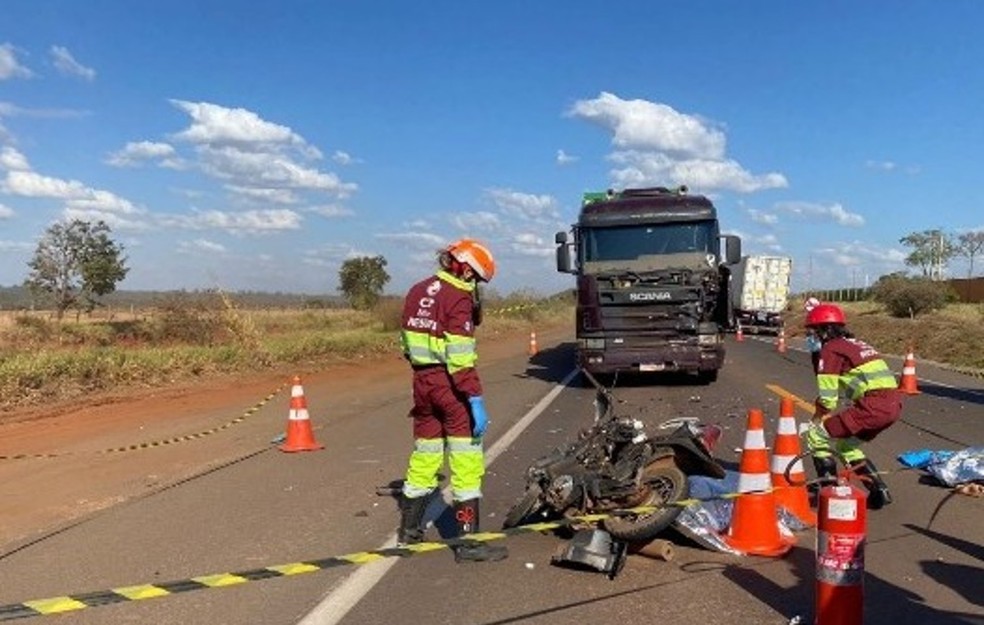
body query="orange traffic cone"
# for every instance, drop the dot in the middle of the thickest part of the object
(908, 383)
(300, 436)
(754, 527)
(533, 348)
(791, 494)
(781, 341)
(739, 334)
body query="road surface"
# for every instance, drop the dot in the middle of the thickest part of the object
(181, 485)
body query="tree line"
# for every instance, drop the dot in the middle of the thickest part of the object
(77, 264)
(932, 250)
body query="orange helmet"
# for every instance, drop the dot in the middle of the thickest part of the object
(475, 255)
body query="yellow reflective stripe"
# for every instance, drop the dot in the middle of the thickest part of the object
(464, 445)
(361, 558)
(429, 445)
(54, 605)
(827, 385)
(220, 579)
(143, 591)
(295, 568)
(466, 286)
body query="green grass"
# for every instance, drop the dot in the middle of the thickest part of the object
(41, 361)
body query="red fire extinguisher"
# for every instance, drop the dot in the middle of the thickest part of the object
(841, 531)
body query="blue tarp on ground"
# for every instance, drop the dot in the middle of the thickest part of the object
(952, 468)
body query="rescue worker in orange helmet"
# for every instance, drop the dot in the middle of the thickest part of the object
(851, 370)
(449, 416)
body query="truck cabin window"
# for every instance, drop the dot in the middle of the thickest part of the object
(634, 243)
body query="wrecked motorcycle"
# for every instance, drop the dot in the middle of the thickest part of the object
(615, 465)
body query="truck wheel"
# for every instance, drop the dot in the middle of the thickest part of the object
(665, 484)
(707, 376)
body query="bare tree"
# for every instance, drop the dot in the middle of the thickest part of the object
(931, 251)
(969, 245)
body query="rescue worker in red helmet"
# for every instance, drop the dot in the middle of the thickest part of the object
(438, 339)
(850, 369)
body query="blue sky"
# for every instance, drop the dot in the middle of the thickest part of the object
(257, 145)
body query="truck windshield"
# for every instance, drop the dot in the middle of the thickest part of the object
(630, 243)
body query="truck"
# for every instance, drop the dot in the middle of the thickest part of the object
(652, 285)
(760, 293)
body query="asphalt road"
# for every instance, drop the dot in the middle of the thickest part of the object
(924, 560)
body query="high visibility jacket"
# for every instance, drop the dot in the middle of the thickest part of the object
(850, 368)
(438, 329)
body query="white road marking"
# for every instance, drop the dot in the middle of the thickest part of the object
(337, 603)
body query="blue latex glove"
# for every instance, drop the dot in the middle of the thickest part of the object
(480, 418)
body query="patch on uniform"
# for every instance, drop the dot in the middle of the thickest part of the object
(434, 288)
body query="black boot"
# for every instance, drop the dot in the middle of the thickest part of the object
(878, 495)
(411, 520)
(466, 515)
(826, 470)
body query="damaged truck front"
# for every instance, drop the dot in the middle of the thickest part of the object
(652, 284)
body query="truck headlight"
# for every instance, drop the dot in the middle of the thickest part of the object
(593, 343)
(708, 339)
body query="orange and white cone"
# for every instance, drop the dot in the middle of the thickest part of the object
(908, 383)
(533, 347)
(739, 334)
(791, 494)
(300, 436)
(781, 341)
(754, 527)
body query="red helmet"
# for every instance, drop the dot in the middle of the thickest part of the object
(824, 314)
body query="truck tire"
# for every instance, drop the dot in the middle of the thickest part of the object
(707, 376)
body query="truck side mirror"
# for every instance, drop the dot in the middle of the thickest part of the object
(563, 253)
(732, 248)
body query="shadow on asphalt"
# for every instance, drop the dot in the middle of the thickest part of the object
(884, 603)
(968, 396)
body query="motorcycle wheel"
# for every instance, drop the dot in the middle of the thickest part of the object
(665, 484)
(525, 507)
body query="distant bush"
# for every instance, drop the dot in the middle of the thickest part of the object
(389, 313)
(903, 296)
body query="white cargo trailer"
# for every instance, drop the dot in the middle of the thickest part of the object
(760, 292)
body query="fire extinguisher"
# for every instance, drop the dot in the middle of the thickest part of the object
(841, 532)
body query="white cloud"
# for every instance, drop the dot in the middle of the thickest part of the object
(66, 64)
(415, 240)
(481, 220)
(563, 158)
(10, 67)
(832, 212)
(15, 246)
(136, 153)
(651, 126)
(6, 212)
(344, 158)
(658, 145)
(11, 159)
(246, 222)
(331, 210)
(417, 224)
(114, 220)
(213, 124)
(647, 168)
(881, 165)
(251, 168)
(202, 245)
(263, 194)
(75, 194)
(524, 205)
(530, 244)
(8, 109)
(768, 219)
